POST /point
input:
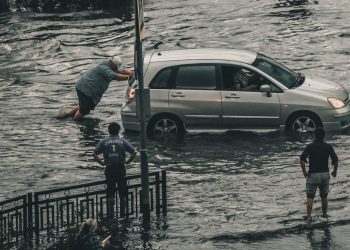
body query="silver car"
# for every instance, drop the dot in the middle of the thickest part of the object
(224, 89)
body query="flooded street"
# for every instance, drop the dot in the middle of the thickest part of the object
(235, 190)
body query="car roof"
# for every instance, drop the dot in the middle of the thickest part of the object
(243, 56)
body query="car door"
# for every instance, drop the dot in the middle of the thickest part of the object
(195, 97)
(245, 109)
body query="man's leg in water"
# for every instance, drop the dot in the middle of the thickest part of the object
(77, 115)
(73, 111)
(309, 203)
(324, 203)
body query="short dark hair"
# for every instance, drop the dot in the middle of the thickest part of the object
(113, 128)
(319, 133)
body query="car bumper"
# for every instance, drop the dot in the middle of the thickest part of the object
(130, 121)
(339, 122)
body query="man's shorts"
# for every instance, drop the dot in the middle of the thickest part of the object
(85, 103)
(317, 180)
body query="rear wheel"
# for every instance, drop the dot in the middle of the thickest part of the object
(165, 126)
(303, 123)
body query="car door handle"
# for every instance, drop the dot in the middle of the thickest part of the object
(178, 94)
(232, 96)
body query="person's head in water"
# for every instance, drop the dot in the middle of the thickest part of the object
(319, 133)
(113, 128)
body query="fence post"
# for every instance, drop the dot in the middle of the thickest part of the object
(30, 218)
(36, 218)
(157, 194)
(164, 198)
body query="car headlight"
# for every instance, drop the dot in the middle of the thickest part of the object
(336, 102)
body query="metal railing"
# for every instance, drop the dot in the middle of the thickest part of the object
(41, 216)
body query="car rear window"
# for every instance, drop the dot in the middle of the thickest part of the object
(161, 81)
(196, 77)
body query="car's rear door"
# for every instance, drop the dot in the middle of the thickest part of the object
(195, 96)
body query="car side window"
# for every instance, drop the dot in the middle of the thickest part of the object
(237, 78)
(196, 77)
(161, 80)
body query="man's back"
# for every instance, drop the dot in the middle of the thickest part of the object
(318, 153)
(95, 81)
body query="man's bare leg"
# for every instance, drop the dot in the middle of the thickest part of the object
(324, 203)
(77, 115)
(75, 109)
(309, 203)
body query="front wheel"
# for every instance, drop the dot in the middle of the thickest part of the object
(303, 123)
(165, 126)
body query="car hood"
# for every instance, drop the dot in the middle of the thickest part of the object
(328, 88)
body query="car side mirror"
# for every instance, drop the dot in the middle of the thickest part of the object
(266, 89)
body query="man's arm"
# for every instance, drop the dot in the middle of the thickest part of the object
(334, 158)
(303, 161)
(334, 172)
(303, 167)
(250, 87)
(123, 75)
(120, 77)
(98, 159)
(132, 156)
(127, 71)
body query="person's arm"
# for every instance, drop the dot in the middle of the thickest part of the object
(250, 87)
(334, 158)
(105, 242)
(303, 167)
(98, 159)
(120, 77)
(127, 71)
(303, 161)
(335, 168)
(97, 151)
(123, 75)
(131, 157)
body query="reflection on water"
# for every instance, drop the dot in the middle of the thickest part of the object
(316, 243)
(235, 190)
(286, 3)
(90, 131)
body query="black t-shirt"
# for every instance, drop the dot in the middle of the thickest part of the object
(318, 153)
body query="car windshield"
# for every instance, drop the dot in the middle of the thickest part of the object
(277, 71)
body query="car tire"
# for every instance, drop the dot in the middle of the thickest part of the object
(165, 126)
(303, 123)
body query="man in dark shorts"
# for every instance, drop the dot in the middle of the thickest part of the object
(113, 149)
(318, 154)
(93, 84)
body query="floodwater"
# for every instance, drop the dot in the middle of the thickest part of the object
(237, 190)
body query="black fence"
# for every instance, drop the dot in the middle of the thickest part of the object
(41, 216)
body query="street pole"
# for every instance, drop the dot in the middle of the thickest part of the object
(145, 207)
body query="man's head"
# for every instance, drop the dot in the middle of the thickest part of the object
(113, 128)
(319, 133)
(115, 63)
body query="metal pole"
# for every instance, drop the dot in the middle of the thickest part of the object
(145, 207)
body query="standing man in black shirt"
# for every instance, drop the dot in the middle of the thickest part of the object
(318, 154)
